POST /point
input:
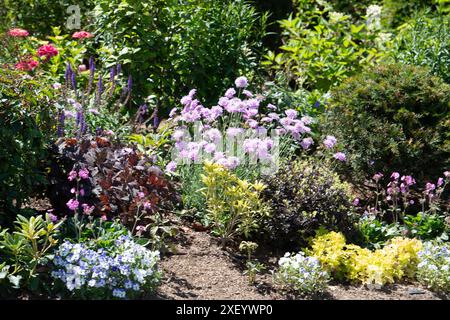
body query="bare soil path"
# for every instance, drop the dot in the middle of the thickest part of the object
(200, 269)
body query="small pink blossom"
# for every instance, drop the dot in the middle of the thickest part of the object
(84, 173)
(73, 204)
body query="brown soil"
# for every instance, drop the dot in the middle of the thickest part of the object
(201, 269)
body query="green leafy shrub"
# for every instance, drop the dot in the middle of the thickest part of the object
(392, 118)
(434, 266)
(24, 121)
(400, 11)
(375, 233)
(304, 196)
(425, 42)
(39, 16)
(426, 226)
(26, 251)
(322, 47)
(169, 45)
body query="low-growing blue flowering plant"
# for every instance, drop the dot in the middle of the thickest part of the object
(302, 274)
(121, 271)
(433, 269)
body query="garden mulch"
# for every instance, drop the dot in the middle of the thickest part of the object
(200, 269)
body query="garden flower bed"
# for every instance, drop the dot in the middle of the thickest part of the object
(211, 159)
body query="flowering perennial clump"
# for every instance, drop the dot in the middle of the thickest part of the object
(433, 269)
(240, 125)
(302, 274)
(124, 270)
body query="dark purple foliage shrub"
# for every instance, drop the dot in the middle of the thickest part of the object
(122, 182)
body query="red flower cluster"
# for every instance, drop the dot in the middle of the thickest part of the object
(82, 35)
(47, 51)
(17, 32)
(26, 65)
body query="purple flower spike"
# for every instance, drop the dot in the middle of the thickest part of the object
(129, 84)
(62, 118)
(68, 73)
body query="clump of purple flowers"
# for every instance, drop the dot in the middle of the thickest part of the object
(123, 270)
(398, 195)
(234, 132)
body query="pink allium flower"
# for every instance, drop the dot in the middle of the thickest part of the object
(72, 175)
(271, 107)
(141, 195)
(252, 123)
(210, 148)
(84, 173)
(330, 142)
(274, 116)
(56, 85)
(429, 187)
(232, 132)
(186, 100)
(230, 93)
(82, 192)
(447, 174)
(306, 143)
(440, 182)
(340, 156)
(241, 82)
(192, 93)
(253, 103)
(356, 202)
(104, 217)
(73, 190)
(82, 35)
(178, 135)
(18, 32)
(26, 65)
(109, 132)
(171, 166)
(72, 204)
(47, 51)
(291, 113)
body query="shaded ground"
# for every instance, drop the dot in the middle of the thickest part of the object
(200, 269)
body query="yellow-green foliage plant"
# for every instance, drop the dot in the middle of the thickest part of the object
(234, 206)
(397, 260)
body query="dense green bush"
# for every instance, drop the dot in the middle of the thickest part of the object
(425, 42)
(397, 12)
(392, 118)
(24, 118)
(39, 16)
(322, 47)
(304, 196)
(171, 46)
